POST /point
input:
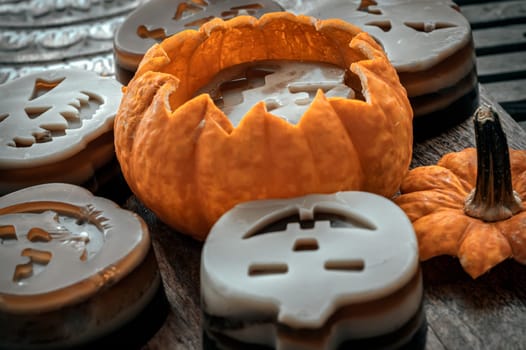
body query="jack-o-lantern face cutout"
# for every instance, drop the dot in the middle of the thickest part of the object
(431, 29)
(81, 232)
(343, 249)
(159, 19)
(55, 237)
(50, 116)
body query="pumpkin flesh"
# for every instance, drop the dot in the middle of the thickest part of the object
(186, 161)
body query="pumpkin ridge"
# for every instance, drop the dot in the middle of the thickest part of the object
(371, 50)
(154, 58)
(209, 122)
(498, 250)
(134, 112)
(217, 116)
(518, 167)
(421, 203)
(311, 158)
(372, 84)
(305, 125)
(462, 237)
(440, 239)
(347, 53)
(270, 157)
(424, 178)
(519, 184)
(373, 81)
(352, 148)
(181, 218)
(218, 23)
(513, 230)
(459, 164)
(294, 136)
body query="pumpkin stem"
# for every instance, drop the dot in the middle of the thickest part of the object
(493, 197)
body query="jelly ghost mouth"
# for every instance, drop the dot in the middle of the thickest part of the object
(38, 234)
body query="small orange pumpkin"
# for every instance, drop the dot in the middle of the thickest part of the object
(183, 158)
(469, 204)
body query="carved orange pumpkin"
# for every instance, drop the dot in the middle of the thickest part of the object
(185, 160)
(469, 205)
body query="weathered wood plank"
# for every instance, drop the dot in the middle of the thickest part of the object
(462, 135)
(487, 313)
(493, 13)
(432, 341)
(501, 66)
(500, 39)
(517, 109)
(507, 91)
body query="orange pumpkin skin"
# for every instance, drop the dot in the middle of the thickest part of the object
(433, 198)
(183, 158)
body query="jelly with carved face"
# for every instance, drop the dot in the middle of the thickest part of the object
(279, 271)
(56, 126)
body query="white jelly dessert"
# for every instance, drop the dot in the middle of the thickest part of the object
(75, 267)
(315, 272)
(57, 126)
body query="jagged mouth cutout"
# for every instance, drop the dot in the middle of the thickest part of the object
(75, 227)
(50, 126)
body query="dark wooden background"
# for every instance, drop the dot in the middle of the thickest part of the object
(499, 32)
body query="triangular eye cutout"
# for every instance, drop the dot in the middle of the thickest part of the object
(364, 4)
(35, 112)
(43, 86)
(3, 116)
(364, 7)
(199, 22)
(249, 9)
(383, 25)
(428, 27)
(156, 34)
(187, 7)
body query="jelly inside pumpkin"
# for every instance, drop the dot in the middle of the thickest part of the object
(286, 87)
